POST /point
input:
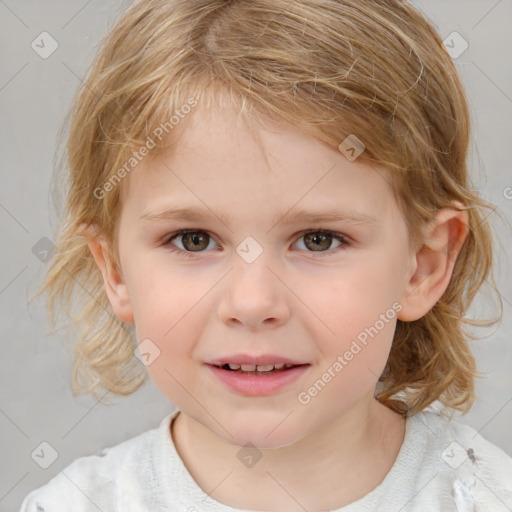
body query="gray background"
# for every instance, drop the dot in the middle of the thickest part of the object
(36, 403)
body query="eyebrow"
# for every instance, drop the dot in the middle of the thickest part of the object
(284, 218)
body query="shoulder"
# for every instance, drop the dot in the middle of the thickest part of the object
(461, 442)
(95, 482)
(463, 460)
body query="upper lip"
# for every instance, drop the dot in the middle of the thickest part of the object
(261, 360)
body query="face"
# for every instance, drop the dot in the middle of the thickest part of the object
(258, 276)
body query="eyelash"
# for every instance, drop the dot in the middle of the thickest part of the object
(320, 254)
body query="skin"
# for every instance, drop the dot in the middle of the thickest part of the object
(292, 301)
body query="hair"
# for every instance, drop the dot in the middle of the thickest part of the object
(332, 68)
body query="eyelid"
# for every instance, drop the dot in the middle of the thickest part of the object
(335, 234)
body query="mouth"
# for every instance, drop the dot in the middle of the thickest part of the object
(259, 370)
(257, 380)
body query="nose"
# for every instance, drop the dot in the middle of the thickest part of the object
(254, 297)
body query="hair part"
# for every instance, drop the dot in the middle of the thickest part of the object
(332, 68)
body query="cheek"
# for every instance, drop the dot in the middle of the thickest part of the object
(350, 301)
(170, 309)
(172, 338)
(353, 316)
(354, 357)
(163, 295)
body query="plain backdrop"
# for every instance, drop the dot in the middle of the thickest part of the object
(36, 402)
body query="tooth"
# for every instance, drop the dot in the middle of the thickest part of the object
(288, 365)
(234, 366)
(248, 367)
(278, 366)
(266, 368)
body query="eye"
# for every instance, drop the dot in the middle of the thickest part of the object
(320, 241)
(315, 240)
(192, 240)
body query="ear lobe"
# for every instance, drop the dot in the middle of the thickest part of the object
(443, 240)
(113, 280)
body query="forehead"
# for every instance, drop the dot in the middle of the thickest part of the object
(220, 162)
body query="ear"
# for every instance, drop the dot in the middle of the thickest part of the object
(115, 287)
(443, 239)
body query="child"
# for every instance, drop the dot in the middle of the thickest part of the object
(274, 195)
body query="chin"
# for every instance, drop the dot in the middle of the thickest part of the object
(262, 434)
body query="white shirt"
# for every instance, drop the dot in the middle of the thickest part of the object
(432, 472)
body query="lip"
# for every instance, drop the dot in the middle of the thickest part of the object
(258, 385)
(262, 360)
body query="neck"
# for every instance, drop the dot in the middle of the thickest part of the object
(328, 469)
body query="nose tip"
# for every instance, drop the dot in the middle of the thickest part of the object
(254, 325)
(254, 297)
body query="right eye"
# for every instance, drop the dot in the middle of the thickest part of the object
(193, 240)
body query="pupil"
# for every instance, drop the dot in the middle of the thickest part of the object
(196, 240)
(316, 238)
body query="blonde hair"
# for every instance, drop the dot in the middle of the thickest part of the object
(332, 68)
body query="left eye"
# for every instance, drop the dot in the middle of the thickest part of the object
(317, 240)
(321, 240)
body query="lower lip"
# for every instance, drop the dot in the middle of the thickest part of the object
(258, 385)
